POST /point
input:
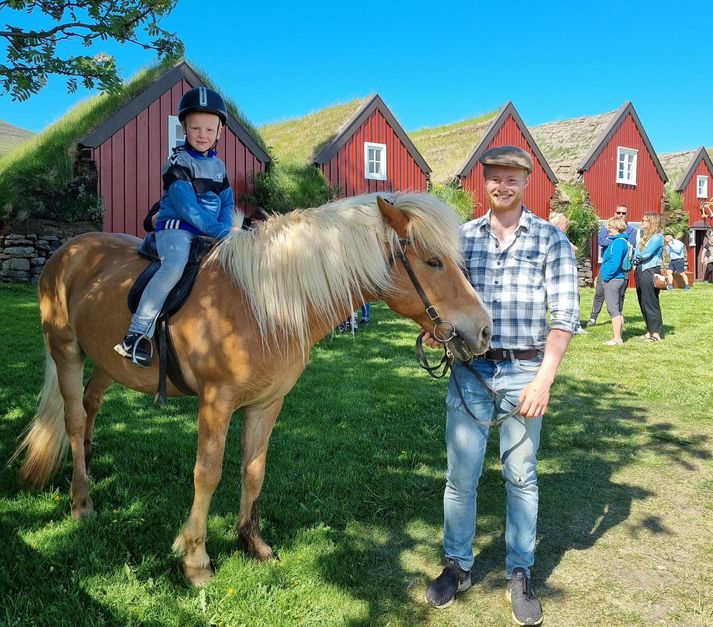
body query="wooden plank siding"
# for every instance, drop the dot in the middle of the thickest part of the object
(600, 179)
(346, 168)
(130, 159)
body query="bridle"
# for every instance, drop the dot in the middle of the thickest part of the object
(454, 346)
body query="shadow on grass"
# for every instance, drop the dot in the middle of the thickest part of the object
(358, 451)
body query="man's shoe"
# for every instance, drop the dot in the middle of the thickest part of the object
(137, 348)
(590, 323)
(526, 609)
(442, 591)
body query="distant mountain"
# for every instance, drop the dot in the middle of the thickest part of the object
(11, 137)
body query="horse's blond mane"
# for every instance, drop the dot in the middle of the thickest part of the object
(318, 261)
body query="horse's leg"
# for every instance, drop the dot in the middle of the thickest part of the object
(214, 417)
(93, 399)
(69, 358)
(257, 427)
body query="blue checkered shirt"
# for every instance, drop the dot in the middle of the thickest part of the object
(520, 282)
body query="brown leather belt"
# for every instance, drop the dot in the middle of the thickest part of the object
(498, 354)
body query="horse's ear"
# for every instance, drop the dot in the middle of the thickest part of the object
(393, 217)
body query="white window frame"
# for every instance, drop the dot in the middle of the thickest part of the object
(701, 186)
(382, 175)
(623, 152)
(174, 138)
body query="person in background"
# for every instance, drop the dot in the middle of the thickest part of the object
(523, 268)
(365, 314)
(676, 253)
(604, 241)
(612, 274)
(648, 258)
(561, 221)
(707, 259)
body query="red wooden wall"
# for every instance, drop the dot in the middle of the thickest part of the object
(346, 168)
(692, 205)
(129, 164)
(539, 191)
(600, 179)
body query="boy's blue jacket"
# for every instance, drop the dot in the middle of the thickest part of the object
(197, 192)
(613, 257)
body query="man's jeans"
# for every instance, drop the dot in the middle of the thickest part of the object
(174, 246)
(466, 441)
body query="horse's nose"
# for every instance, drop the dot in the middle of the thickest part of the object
(486, 334)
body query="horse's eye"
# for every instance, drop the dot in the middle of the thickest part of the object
(434, 262)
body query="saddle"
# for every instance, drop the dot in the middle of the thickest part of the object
(168, 361)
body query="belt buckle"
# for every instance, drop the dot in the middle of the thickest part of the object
(509, 354)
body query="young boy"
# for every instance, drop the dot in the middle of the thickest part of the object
(197, 200)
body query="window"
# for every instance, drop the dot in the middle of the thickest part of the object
(375, 161)
(701, 187)
(626, 165)
(176, 136)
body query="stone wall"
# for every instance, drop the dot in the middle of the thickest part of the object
(26, 246)
(584, 272)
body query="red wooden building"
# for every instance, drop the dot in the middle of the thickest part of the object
(611, 155)
(508, 129)
(130, 147)
(373, 153)
(360, 147)
(696, 188)
(622, 168)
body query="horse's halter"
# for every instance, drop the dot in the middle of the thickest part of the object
(443, 330)
(454, 347)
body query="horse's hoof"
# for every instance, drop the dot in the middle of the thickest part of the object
(82, 509)
(263, 553)
(198, 576)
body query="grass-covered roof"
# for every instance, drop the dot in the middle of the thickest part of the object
(299, 140)
(446, 148)
(565, 143)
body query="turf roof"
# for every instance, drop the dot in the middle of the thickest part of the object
(567, 142)
(299, 140)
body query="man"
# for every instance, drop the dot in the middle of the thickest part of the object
(521, 266)
(604, 240)
(676, 263)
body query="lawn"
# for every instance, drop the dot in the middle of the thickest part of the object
(352, 501)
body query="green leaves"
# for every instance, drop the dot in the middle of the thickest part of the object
(33, 54)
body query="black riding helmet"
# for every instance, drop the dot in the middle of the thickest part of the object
(202, 100)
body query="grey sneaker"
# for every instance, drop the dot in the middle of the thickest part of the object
(442, 591)
(590, 323)
(526, 609)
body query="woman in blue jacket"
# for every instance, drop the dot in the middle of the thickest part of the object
(648, 258)
(613, 275)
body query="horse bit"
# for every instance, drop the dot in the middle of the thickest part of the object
(454, 347)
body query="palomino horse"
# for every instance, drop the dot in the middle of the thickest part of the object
(260, 301)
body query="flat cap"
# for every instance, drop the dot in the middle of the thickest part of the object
(510, 156)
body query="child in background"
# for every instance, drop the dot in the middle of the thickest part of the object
(197, 200)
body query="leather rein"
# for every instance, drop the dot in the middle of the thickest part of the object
(452, 345)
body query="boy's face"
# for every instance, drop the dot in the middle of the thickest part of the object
(202, 130)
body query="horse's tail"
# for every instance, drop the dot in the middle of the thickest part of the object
(45, 439)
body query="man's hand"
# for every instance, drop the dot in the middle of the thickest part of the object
(535, 398)
(431, 341)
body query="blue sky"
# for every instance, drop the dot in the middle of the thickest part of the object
(435, 63)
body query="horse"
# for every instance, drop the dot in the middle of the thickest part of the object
(262, 298)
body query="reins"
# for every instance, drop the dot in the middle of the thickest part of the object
(441, 369)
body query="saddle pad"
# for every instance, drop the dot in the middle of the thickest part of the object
(178, 295)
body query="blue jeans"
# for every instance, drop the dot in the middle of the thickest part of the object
(466, 441)
(174, 246)
(366, 312)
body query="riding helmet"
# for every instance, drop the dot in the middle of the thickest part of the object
(202, 100)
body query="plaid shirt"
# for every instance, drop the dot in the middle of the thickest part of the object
(535, 272)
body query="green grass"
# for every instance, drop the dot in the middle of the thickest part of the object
(352, 501)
